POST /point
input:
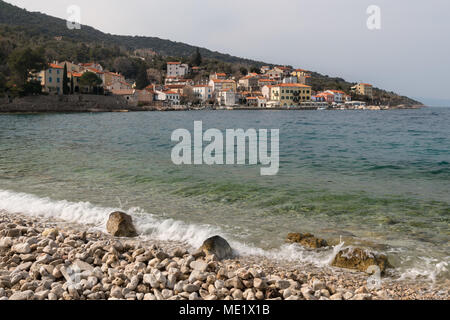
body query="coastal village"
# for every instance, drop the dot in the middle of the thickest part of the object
(278, 87)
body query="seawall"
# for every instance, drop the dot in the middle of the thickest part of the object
(69, 103)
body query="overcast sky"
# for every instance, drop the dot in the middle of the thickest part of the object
(409, 55)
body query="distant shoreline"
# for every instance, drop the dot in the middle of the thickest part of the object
(97, 104)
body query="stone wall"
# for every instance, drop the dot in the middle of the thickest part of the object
(70, 103)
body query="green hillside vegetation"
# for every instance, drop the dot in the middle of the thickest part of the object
(50, 38)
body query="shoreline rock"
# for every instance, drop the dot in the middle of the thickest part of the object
(218, 247)
(307, 240)
(362, 260)
(120, 224)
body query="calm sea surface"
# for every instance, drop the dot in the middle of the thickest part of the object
(377, 179)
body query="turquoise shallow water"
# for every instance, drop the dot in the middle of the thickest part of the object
(380, 179)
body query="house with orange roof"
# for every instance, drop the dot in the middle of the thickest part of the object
(303, 76)
(339, 96)
(74, 81)
(267, 82)
(179, 88)
(275, 74)
(177, 69)
(300, 72)
(249, 82)
(51, 79)
(220, 85)
(284, 70)
(203, 92)
(252, 101)
(226, 97)
(218, 76)
(256, 101)
(363, 89)
(168, 96)
(290, 94)
(325, 97)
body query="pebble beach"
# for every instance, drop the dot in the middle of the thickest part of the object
(55, 260)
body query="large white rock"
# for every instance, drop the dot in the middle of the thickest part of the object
(21, 248)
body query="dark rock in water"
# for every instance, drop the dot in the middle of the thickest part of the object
(307, 240)
(217, 246)
(121, 225)
(360, 259)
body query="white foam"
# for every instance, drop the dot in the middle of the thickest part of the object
(151, 226)
(158, 228)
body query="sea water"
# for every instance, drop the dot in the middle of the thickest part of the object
(376, 179)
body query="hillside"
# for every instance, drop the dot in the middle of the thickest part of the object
(21, 28)
(39, 24)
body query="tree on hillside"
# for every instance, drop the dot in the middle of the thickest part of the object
(90, 80)
(65, 81)
(154, 75)
(189, 96)
(127, 67)
(255, 69)
(71, 85)
(196, 59)
(32, 87)
(23, 62)
(243, 71)
(2, 84)
(142, 78)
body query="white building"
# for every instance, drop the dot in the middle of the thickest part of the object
(177, 69)
(290, 80)
(171, 97)
(262, 102)
(267, 91)
(339, 96)
(226, 98)
(203, 92)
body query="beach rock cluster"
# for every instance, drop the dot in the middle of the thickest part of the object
(348, 258)
(44, 261)
(362, 260)
(307, 240)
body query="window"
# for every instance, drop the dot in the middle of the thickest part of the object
(58, 80)
(50, 79)
(49, 70)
